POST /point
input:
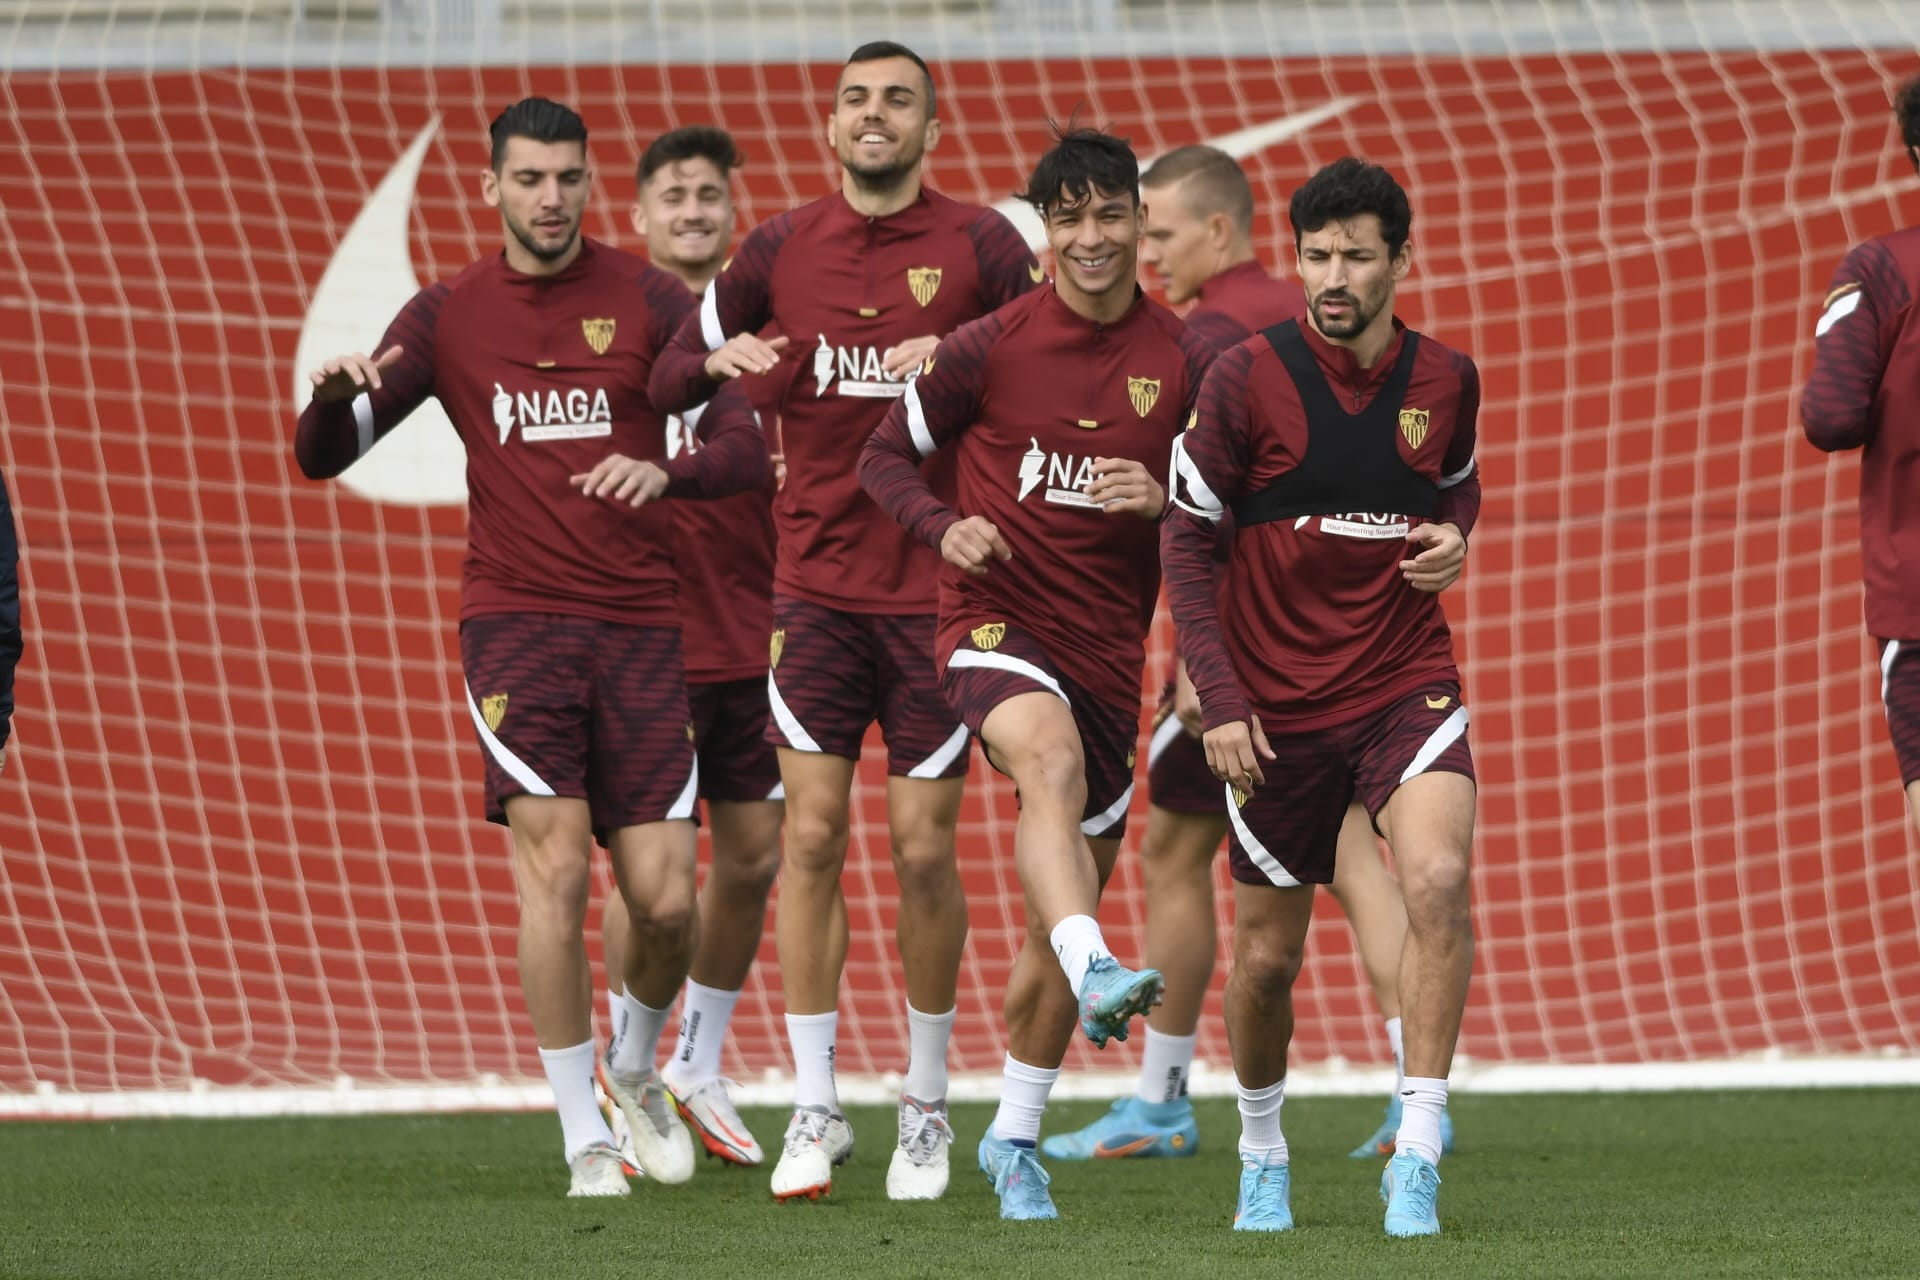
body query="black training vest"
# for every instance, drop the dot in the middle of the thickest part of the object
(1352, 462)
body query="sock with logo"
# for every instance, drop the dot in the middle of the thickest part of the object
(1077, 941)
(639, 1042)
(570, 1072)
(1422, 1099)
(812, 1037)
(704, 1014)
(1165, 1066)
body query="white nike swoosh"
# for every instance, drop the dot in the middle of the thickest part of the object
(1239, 145)
(421, 462)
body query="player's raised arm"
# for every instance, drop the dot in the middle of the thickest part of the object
(940, 403)
(1208, 463)
(720, 340)
(1848, 356)
(358, 398)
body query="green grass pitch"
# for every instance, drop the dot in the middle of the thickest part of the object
(1818, 1183)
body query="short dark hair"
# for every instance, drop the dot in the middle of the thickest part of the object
(1081, 161)
(875, 50)
(540, 119)
(1347, 189)
(1906, 112)
(690, 142)
(1215, 182)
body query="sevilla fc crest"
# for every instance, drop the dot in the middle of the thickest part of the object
(775, 645)
(599, 334)
(1143, 392)
(1413, 425)
(924, 282)
(989, 635)
(493, 709)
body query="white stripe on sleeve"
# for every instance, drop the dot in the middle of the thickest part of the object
(363, 421)
(710, 318)
(1840, 309)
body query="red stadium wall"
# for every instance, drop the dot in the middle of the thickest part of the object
(239, 828)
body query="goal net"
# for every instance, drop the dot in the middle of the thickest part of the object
(240, 832)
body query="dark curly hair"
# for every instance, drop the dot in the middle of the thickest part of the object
(1080, 162)
(1346, 189)
(690, 142)
(1906, 113)
(540, 119)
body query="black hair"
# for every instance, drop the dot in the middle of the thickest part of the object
(690, 142)
(540, 119)
(876, 50)
(1906, 113)
(1215, 182)
(1347, 189)
(1081, 162)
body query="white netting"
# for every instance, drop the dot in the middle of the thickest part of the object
(239, 833)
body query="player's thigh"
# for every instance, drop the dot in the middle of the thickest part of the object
(1286, 832)
(737, 763)
(745, 837)
(641, 765)
(1014, 699)
(1900, 693)
(823, 679)
(1177, 846)
(1109, 734)
(819, 789)
(529, 694)
(1361, 881)
(1415, 773)
(925, 737)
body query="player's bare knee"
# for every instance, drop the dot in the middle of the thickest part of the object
(662, 926)
(554, 880)
(748, 871)
(1267, 965)
(1436, 888)
(816, 842)
(924, 865)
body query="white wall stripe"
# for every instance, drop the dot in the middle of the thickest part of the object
(683, 803)
(936, 764)
(797, 736)
(516, 768)
(1002, 662)
(363, 421)
(1439, 740)
(1163, 737)
(917, 420)
(1107, 817)
(1269, 865)
(710, 318)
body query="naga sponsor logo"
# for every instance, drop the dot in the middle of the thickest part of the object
(1361, 524)
(552, 414)
(853, 371)
(1066, 476)
(683, 439)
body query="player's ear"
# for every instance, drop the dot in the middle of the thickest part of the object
(1913, 154)
(639, 215)
(490, 187)
(1403, 261)
(833, 143)
(933, 133)
(1220, 230)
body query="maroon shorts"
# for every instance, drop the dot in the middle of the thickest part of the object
(1178, 779)
(730, 734)
(1900, 691)
(978, 680)
(834, 673)
(569, 706)
(1285, 833)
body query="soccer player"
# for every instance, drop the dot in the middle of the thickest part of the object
(1059, 408)
(1199, 242)
(723, 555)
(1864, 393)
(861, 283)
(11, 645)
(568, 632)
(1324, 672)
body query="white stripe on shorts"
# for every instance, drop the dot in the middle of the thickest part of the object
(516, 768)
(1449, 732)
(1005, 662)
(1101, 821)
(1163, 737)
(1269, 865)
(797, 737)
(936, 764)
(1886, 669)
(683, 803)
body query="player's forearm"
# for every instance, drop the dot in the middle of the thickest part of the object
(890, 473)
(1187, 564)
(679, 379)
(1459, 504)
(733, 461)
(328, 439)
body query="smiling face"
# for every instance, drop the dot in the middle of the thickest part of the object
(1095, 243)
(686, 214)
(541, 190)
(881, 127)
(1349, 276)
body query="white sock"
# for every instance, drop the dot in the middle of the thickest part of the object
(1422, 1099)
(1399, 1052)
(704, 1014)
(570, 1072)
(1164, 1067)
(639, 1043)
(1260, 1136)
(616, 1014)
(927, 1037)
(1023, 1099)
(812, 1037)
(1077, 941)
